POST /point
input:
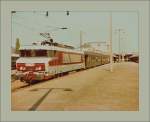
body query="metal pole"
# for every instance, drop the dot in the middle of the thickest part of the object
(80, 40)
(119, 45)
(111, 54)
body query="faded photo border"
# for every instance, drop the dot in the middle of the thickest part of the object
(143, 9)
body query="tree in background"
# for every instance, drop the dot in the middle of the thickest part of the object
(17, 45)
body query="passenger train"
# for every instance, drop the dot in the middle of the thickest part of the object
(42, 62)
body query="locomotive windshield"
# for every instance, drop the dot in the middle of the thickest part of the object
(37, 53)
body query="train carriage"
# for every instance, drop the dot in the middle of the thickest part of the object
(93, 59)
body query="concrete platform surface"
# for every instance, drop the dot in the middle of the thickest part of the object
(95, 89)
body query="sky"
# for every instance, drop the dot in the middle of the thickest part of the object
(27, 26)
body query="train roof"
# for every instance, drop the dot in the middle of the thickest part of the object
(96, 53)
(45, 47)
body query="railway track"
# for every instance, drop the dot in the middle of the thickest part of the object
(27, 85)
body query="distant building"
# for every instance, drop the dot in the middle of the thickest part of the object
(126, 57)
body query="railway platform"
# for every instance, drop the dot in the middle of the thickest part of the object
(94, 89)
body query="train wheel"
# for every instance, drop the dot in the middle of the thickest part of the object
(66, 73)
(58, 75)
(29, 82)
(21, 79)
(61, 74)
(55, 76)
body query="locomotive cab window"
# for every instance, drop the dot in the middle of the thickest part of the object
(33, 53)
(25, 53)
(40, 53)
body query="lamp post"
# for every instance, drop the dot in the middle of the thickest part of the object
(110, 39)
(81, 39)
(119, 31)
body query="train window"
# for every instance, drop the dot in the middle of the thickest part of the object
(75, 58)
(51, 53)
(33, 53)
(66, 58)
(25, 53)
(96, 59)
(40, 53)
(71, 58)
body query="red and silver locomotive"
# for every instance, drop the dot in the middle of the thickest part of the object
(38, 62)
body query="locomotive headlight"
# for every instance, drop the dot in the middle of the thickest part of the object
(38, 68)
(24, 68)
(21, 68)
